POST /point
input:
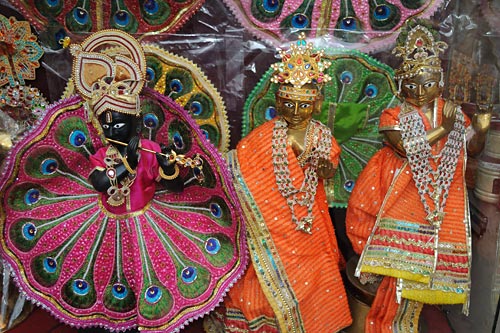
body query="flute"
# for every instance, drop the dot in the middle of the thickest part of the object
(181, 159)
(146, 149)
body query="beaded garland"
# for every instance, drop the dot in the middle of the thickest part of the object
(304, 196)
(429, 182)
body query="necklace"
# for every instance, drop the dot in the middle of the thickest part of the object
(117, 195)
(431, 183)
(305, 196)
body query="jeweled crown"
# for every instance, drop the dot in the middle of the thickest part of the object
(420, 53)
(109, 70)
(300, 65)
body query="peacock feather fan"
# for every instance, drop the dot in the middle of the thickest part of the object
(184, 82)
(367, 25)
(360, 89)
(56, 19)
(156, 269)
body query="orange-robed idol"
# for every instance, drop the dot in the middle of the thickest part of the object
(294, 283)
(408, 214)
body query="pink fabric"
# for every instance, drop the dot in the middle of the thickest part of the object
(144, 186)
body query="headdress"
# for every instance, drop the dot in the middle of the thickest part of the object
(110, 80)
(300, 66)
(420, 53)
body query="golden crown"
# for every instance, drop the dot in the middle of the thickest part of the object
(300, 65)
(420, 53)
(110, 80)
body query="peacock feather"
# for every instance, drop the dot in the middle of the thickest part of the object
(369, 25)
(56, 19)
(156, 269)
(361, 87)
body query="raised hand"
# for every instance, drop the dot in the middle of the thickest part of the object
(132, 156)
(482, 119)
(449, 115)
(326, 169)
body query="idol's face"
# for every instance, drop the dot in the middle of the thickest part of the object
(296, 111)
(116, 125)
(422, 89)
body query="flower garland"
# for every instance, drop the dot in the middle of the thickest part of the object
(305, 196)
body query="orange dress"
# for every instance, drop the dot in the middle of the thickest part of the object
(386, 224)
(294, 283)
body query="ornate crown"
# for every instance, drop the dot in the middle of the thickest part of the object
(420, 53)
(300, 66)
(110, 80)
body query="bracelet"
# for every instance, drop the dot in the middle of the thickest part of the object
(127, 166)
(172, 176)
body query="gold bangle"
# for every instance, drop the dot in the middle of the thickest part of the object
(172, 176)
(127, 166)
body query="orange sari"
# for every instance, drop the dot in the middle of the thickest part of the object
(386, 224)
(294, 283)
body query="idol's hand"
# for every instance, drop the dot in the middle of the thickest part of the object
(326, 169)
(132, 156)
(449, 115)
(482, 119)
(165, 162)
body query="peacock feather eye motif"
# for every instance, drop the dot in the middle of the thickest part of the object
(196, 108)
(81, 287)
(270, 112)
(178, 141)
(189, 274)
(49, 166)
(32, 196)
(77, 138)
(29, 231)
(212, 245)
(176, 86)
(346, 77)
(153, 294)
(371, 90)
(150, 74)
(50, 265)
(150, 120)
(78, 18)
(349, 23)
(81, 16)
(382, 12)
(216, 210)
(120, 291)
(151, 7)
(300, 21)
(349, 185)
